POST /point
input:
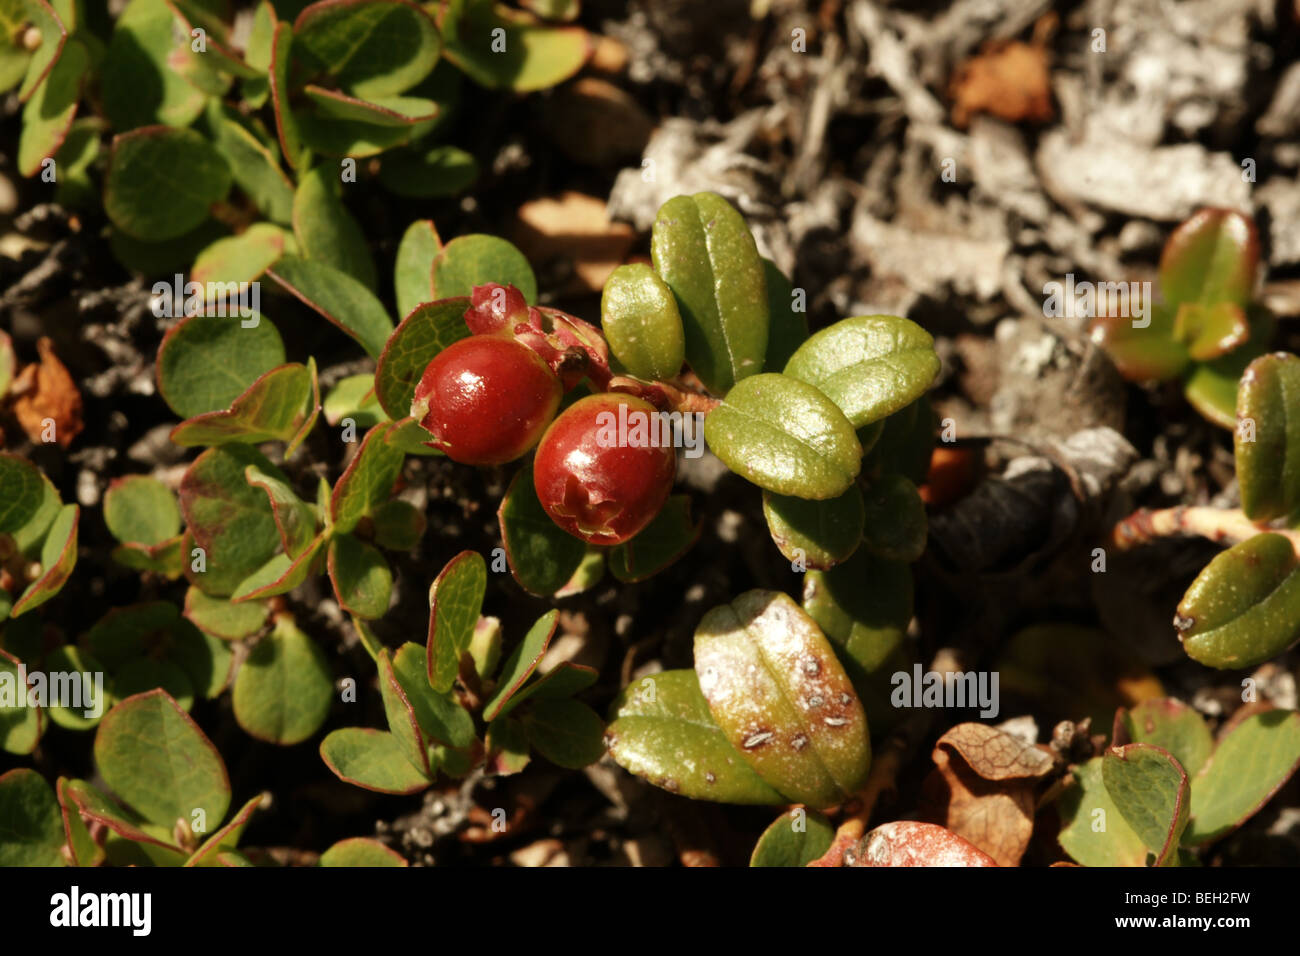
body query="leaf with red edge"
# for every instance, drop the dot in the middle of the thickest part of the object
(53, 37)
(535, 56)
(1212, 257)
(48, 115)
(368, 480)
(277, 407)
(413, 271)
(157, 760)
(362, 579)
(372, 759)
(1151, 792)
(521, 663)
(426, 331)
(95, 806)
(361, 851)
(341, 299)
(1211, 330)
(226, 838)
(58, 555)
(20, 723)
(286, 124)
(1144, 352)
(455, 603)
(368, 47)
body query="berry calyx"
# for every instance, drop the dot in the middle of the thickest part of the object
(486, 400)
(604, 468)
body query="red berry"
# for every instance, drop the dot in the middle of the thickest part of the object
(486, 400)
(601, 482)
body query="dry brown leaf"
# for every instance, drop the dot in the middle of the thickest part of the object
(575, 229)
(1008, 80)
(46, 392)
(983, 789)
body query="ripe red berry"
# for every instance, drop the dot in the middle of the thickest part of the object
(599, 479)
(486, 400)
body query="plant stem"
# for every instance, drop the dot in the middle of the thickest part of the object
(1222, 525)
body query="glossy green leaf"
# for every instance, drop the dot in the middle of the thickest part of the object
(241, 258)
(566, 732)
(276, 407)
(361, 852)
(283, 691)
(704, 252)
(362, 579)
(776, 688)
(661, 729)
(1212, 257)
(162, 182)
(455, 602)
(786, 437)
(368, 480)
(33, 825)
(141, 509)
(863, 606)
(222, 619)
(349, 138)
(1151, 792)
(661, 543)
(20, 723)
(58, 556)
(795, 838)
(519, 666)
(230, 520)
(639, 317)
(1093, 831)
(413, 272)
(423, 172)
(372, 759)
(1267, 437)
(206, 362)
(870, 365)
(155, 758)
(542, 556)
(1211, 330)
(1244, 607)
(895, 525)
(338, 297)
(427, 330)
(368, 47)
(1250, 764)
(905, 443)
(1211, 387)
(815, 534)
(1143, 348)
(48, 115)
(534, 56)
(326, 231)
(1171, 725)
(254, 165)
(477, 259)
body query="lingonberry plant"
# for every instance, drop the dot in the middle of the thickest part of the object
(1244, 608)
(1207, 327)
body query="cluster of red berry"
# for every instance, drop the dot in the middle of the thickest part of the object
(490, 398)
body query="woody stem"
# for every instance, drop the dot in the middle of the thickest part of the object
(1228, 526)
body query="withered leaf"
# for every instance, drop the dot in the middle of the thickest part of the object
(45, 392)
